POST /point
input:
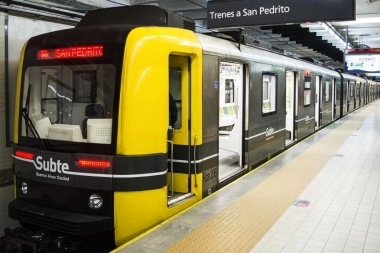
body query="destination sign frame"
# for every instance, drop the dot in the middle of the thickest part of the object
(246, 13)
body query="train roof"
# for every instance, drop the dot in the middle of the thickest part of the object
(231, 50)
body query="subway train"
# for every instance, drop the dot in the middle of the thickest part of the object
(92, 158)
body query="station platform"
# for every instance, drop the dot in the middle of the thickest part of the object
(321, 195)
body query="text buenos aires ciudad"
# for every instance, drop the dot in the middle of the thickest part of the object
(251, 12)
(51, 166)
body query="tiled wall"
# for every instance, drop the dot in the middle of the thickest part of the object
(6, 196)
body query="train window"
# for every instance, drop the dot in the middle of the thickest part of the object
(49, 93)
(229, 91)
(307, 96)
(69, 102)
(352, 88)
(327, 91)
(175, 76)
(269, 85)
(85, 91)
(307, 91)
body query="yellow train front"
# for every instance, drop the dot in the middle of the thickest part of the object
(91, 153)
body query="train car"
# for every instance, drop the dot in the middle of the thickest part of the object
(92, 157)
(351, 92)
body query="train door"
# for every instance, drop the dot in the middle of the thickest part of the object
(230, 119)
(333, 102)
(318, 80)
(290, 107)
(179, 179)
(351, 100)
(347, 97)
(356, 104)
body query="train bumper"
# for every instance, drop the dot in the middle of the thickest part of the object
(58, 220)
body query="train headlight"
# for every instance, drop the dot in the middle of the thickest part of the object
(24, 187)
(95, 201)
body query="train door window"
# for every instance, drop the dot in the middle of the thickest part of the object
(175, 78)
(362, 89)
(307, 95)
(229, 91)
(269, 86)
(307, 91)
(327, 91)
(352, 89)
(357, 90)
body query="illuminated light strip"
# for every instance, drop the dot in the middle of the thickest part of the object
(264, 133)
(99, 164)
(25, 155)
(97, 174)
(197, 161)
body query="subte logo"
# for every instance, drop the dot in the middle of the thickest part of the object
(51, 165)
(269, 131)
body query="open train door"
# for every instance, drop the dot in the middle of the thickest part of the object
(231, 123)
(291, 111)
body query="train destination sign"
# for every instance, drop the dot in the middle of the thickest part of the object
(242, 13)
(70, 52)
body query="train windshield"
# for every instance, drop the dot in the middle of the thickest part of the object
(68, 102)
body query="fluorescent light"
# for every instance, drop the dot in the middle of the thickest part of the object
(360, 20)
(331, 30)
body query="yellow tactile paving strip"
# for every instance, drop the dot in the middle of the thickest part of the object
(240, 226)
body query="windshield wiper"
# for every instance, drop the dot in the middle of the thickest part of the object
(44, 144)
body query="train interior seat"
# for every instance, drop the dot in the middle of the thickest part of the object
(42, 124)
(99, 131)
(65, 132)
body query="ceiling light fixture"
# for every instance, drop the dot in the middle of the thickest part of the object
(333, 32)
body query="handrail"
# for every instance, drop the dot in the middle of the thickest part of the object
(195, 161)
(171, 166)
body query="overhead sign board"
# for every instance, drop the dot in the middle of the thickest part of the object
(242, 13)
(362, 61)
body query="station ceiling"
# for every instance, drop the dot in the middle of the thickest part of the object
(312, 40)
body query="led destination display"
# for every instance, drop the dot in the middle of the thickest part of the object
(70, 52)
(240, 13)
